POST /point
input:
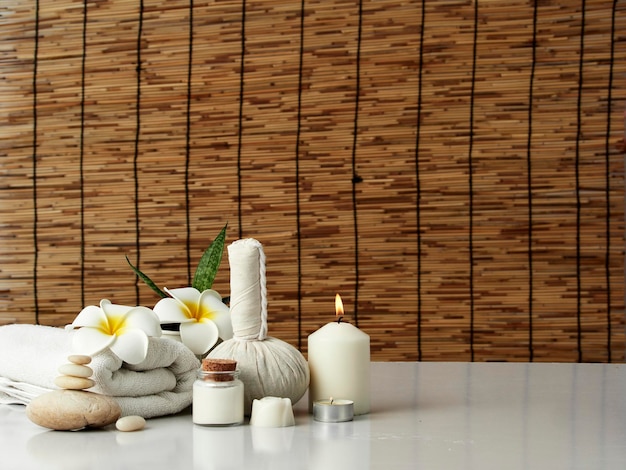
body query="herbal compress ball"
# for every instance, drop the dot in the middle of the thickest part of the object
(268, 366)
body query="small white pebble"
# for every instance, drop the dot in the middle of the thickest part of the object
(130, 423)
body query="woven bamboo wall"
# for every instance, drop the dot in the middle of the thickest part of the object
(450, 167)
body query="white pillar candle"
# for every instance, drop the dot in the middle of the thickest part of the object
(272, 412)
(339, 361)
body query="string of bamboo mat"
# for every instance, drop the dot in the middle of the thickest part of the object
(467, 209)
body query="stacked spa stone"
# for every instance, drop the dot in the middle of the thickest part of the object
(75, 375)
(73, 407)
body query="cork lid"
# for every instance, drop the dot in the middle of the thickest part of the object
(219, 365)
(219, 370)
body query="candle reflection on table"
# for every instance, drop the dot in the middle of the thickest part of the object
(337, 446)
(272, 440)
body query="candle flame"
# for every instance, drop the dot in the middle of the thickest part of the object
(338, 306)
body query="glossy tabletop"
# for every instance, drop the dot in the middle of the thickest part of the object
(424, 416)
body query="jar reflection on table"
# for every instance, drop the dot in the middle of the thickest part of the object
(219, 448)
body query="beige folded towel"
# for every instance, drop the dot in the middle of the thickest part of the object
(30, 356)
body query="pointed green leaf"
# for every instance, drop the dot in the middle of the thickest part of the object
(147, 280)
(210, 262)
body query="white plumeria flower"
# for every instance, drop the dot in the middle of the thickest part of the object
(122, 329)
(203, 317)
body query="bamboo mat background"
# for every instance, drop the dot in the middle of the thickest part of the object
(450, 168)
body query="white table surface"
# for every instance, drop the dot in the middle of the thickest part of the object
(483, 416)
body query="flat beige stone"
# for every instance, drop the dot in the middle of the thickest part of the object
(79, 359)
(66, 410)
(75, 370)
(73, 383)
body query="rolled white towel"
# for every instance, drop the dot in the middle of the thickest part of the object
(30, 356)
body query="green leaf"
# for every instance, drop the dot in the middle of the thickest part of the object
(210, 262)
(147, 280)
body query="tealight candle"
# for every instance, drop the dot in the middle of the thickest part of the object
(272, 412)
(339, 362)
(333, 411)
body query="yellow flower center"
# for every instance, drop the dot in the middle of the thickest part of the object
(197, 313)
(112, 325)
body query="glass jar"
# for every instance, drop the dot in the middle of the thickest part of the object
(217, 398)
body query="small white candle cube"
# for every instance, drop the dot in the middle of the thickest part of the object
(272, 412)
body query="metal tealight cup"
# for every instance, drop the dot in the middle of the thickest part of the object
(333, 410)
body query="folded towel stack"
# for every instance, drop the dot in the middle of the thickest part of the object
(30, 356)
